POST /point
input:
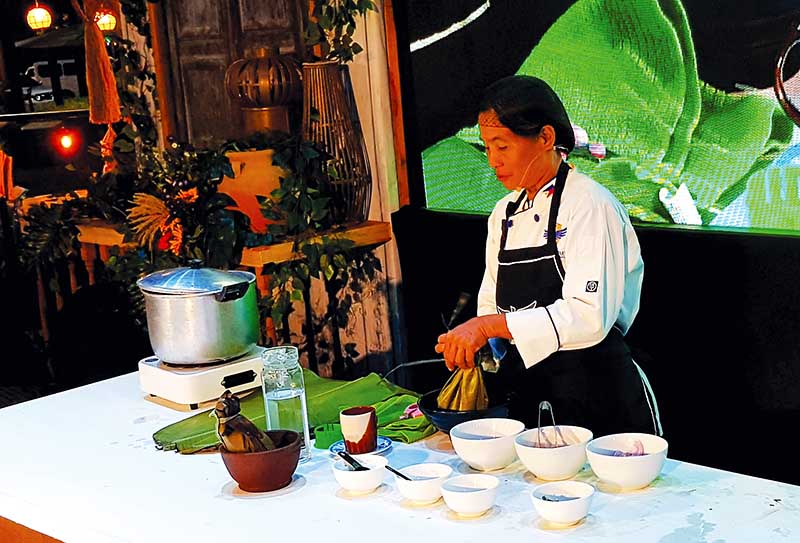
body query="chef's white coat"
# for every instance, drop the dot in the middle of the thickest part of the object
(603, 264)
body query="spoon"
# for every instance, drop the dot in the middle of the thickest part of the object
(398, 473)
(557, 498)
(353, 462)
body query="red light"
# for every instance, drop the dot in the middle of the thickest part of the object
(66, 141)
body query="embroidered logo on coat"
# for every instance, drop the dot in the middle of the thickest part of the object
(591, 286)
(561, 231)
(548, 191)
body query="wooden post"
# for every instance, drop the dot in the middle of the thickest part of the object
(88, 255)
(105, 253)
(397, 105)
(55, 77)
(166, 95)
(73, 279)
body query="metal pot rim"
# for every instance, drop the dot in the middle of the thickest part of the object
(238, 276)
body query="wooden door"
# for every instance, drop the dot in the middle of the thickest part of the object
(204, 37)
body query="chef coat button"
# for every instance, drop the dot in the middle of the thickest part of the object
(536, 217)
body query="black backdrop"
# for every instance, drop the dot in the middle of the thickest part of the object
(718, 332)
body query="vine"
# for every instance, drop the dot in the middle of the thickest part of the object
(332, 25)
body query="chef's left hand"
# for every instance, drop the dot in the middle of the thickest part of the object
(460, 344)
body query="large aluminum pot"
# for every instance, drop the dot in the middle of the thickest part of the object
(200, 315)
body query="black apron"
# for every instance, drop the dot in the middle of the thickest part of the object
(599, 387)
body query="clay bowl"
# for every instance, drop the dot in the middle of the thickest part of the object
(267, 470)
(445, 419)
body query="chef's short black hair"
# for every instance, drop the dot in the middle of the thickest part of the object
(524, 104)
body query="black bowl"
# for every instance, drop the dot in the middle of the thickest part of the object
(445, 419)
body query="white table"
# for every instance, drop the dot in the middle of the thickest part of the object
(81, 467)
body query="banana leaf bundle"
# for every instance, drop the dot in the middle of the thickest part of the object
(464, 391)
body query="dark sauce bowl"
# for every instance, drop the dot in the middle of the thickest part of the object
(445, 419)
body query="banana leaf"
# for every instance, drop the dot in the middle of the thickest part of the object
(627, 74)
(325, 398)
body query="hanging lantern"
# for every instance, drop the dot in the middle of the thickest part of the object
(105, 20)
(39, 17)
(265, 87)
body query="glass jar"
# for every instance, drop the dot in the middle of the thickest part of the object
(285, 394)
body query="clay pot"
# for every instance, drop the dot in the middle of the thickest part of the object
(267, 470)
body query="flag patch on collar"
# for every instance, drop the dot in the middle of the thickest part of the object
(549, 190)
(591, 286)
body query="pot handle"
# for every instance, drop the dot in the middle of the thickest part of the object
(232, 292)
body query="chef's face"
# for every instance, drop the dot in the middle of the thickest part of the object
(516, 160)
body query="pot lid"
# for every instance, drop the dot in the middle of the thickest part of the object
(192, 280)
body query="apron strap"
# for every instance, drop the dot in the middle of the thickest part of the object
(561, 180)
(651, 400)
(511, 208)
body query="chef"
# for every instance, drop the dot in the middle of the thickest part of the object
(563, 275)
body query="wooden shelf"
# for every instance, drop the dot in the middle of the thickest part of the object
(99, 232)
(363, 235)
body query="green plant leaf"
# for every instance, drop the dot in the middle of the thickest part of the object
(124, 146)
(660, 125)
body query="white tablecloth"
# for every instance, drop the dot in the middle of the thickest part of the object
(81, 467)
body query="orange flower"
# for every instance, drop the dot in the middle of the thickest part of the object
(163, 241)
(171, 237)
(188, 196)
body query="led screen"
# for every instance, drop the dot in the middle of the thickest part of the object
(673, 103)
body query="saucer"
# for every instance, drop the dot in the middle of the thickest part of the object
(384, 443)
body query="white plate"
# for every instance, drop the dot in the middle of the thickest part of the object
(384, 443)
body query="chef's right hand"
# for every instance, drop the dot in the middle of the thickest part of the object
(460, 344)
(454, 356)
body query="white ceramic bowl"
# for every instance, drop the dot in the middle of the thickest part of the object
(426, 481)
(361, 482)
(470, 495)
(556, 463)
(563, 512)
(626, 472)
(486, 444)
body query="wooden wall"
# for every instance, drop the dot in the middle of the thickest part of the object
(203, 38)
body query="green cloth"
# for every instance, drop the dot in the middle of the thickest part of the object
(390, 424)
(325, 398)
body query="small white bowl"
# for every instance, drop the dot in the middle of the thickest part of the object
(556, 463)
(426, 481)
(470, 495)
(563, 512)
(361, 482)
(486, 444)
(626, 472)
